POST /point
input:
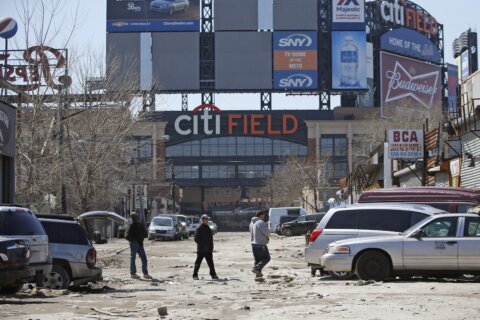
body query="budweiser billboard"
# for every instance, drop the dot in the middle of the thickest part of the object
(410, 87)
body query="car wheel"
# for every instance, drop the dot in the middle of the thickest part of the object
(287, 232)
(372, 265)
(57, 279)
(11, 289)
(341, 275)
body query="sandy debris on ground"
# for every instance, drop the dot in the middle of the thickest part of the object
(287, 290)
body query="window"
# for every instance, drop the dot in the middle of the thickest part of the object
(255, 171)
(301, 218)
(218, 172)
(65, 233)
(141, 147)
(186, 172)
(236, 146)
(387, 220)
(19, 223)
(441, 228)
(347, 219)
(335, 148)
(472, 227)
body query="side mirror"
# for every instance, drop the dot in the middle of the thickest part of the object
(418, 234)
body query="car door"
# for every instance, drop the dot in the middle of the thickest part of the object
(299, 225)
(436, 249)
(469, 245)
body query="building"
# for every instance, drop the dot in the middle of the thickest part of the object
(8, 118)
(219, 160)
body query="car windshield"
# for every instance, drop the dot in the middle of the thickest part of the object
(165, 222)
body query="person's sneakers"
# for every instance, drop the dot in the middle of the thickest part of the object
(147, 276)
(215, 277)
(134, 276)
(258, 273)
(195, 277)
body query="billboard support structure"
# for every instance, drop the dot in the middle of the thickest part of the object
(184, 102)
(266, 101)
(324, 54)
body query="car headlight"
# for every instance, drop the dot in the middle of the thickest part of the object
(339, 250)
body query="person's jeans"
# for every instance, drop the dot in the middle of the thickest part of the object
(209, 257)
(134, 249)
(261, 255)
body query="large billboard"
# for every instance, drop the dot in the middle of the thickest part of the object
(452, 86)
(348, 14)
(295, 60)
(409, 87)
(367, 99)
(465, 57)
(349, 57)
(410, 43)
(153, 15)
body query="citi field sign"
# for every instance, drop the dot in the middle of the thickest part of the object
(208, 120)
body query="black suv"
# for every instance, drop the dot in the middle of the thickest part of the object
(20, 223)
(302, 225)
(14, 269)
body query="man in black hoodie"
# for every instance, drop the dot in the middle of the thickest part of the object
(135, 234)
(204, 240)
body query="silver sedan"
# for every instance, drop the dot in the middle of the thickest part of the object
(447, 244)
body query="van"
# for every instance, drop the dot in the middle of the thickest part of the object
(362, 220)
(454, 200)
(274, 215)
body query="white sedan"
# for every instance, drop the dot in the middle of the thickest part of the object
(441, 245)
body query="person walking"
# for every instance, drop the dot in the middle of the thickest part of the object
(259, 236)
(135, 234)
(204, 240)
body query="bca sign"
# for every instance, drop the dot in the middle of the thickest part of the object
(405, 144)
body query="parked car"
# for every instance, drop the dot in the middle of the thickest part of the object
(283, 219)
(166, 228)
(452, 200)
(445, 245)
(169, 6)
(193, 223)
(302, 225)
(362, 220)
(74, 257)
(20, 223)
(213, 226)
(274, 215)
(14, 260)
(123, 227)
(177, 219)
(185, 225)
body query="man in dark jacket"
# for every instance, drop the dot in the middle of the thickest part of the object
(135, 234)
(204, 240)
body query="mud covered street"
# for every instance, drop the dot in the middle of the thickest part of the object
(288, 291)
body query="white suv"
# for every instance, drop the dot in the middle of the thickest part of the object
(362, 220)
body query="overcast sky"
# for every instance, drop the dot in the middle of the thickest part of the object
(455, 15)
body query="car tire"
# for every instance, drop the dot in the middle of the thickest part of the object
(372, 265)
(341, 275)
(57, 279)
(11, 289)
(287, 232)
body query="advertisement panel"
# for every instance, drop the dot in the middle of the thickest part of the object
(465, 58)
(8, 119)
(405, 144)
(367, 99)
(409, 87)
(452, 86)
(348, 15)
(349, 57)
(295, 60)
(410, 43)
(153, 15)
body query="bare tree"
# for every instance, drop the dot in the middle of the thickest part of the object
(71, 139)
(299, 179)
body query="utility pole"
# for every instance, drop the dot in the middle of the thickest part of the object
(61, 106)
(173, 191)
